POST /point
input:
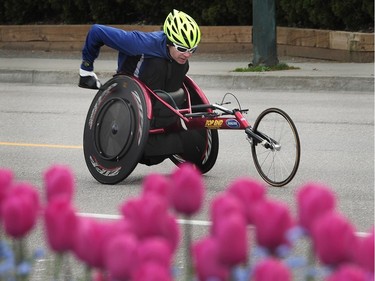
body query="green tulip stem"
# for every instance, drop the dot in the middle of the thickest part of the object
(187, 242)
(310, 261)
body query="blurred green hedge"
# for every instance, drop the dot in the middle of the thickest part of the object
(350, 15)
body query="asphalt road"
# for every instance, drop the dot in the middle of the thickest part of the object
(336, 132)
(43, 125)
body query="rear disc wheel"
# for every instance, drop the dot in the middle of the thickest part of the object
(116, 130)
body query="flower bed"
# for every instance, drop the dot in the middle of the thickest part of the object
(251, 236)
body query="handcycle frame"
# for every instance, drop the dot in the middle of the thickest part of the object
(123, 123)
(205, 117)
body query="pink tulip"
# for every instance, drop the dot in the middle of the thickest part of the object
(232, 239)
(158, 185)
(171, 232)
(155, 250)
(26, 190)
(59, 182)
(118, 227)
(271, 269)
(364, 252)
(272, 221)
(206, 260)
(6, 179)
(20, 209)
(313, 200)
(121, 256)
(249, 192)
(112, 229)
(349, 272)
(147, 215)
(89, 242)
(60, 223)
(333, 238)
(152, 271)
(187, 192)
(223, 205)
(131, 209)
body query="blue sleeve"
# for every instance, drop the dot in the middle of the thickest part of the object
(129, 43)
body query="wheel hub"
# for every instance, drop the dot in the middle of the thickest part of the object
(114, 129)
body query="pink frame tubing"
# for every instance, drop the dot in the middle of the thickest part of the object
(232, 122)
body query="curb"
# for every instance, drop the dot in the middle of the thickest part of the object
(286, 83)
(226, 81)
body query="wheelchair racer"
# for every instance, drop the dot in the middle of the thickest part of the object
(159, 59)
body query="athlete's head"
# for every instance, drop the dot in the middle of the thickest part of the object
(182, 31)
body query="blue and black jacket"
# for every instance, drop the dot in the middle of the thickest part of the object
(142, 54)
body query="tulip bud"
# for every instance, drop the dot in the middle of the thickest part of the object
(152, 271)
(222, 206)
(60, 223)
(232, 239)
(20, 210)
(171, 232)
(155, 250)
(157, 185)
(188, 190)
(272, 221)
(333, 237)
(89, 242)
(59, 182)
(147, 215)
(313, 200)
(271, 269)
(207, 262)
(121, 256)
(249, 192)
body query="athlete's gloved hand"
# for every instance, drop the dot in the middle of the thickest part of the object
(88, 79)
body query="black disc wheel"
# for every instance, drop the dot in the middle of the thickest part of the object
(116, 130)
(277, 164)
(201, 148)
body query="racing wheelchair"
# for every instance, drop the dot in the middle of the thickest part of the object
(128, 123)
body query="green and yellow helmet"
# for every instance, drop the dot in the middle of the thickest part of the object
(182, 29)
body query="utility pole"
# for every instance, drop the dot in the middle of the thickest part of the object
(264, 33)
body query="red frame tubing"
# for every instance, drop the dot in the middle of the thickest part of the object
(236, 122)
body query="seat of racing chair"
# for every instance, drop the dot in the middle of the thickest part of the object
(175, 99)
(163, 115)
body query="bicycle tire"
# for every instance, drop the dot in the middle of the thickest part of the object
(205, 143)
(116, 130)
(277, 167)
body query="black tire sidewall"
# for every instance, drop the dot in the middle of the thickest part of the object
(208, 158)
(112, 171)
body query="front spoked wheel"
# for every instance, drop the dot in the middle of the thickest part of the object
(278, 162)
